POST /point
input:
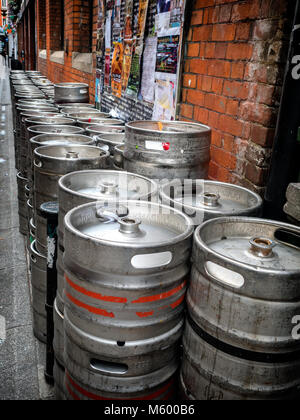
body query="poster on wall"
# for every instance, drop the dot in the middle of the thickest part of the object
(143, 9)
(100, 32)
(167, 57)
(129, 46)
(107, 68)
(128, 29)
(116, 69)
(135, 72)
(165, 97)
(149, 64)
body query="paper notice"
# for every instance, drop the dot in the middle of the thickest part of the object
(116, 70)
(149, 63)
(108, 30)
(164, 105)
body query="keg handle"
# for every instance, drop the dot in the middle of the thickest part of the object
(262, 247)
(38, 163)
(33, 259)
(72, 155)
(128, 225)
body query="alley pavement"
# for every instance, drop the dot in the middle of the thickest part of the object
(22, 357)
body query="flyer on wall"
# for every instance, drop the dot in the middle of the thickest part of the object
(116, 69)
(135, 72)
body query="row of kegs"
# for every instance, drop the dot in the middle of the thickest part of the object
(151, 255)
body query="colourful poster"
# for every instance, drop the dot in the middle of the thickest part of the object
(107, 68)
(128, 50)
(128, 31)
(116, 70)
(167, 55)
(143, 9)
(135, 72)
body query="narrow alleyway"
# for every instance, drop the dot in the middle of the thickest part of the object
(21, 356)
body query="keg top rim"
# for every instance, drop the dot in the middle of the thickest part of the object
(111, 141)
(239, 235)
(76, 104)
(220, 186)
(135, 244)
(42, 129)
(44, 152)
(38, 140)
(65, 180)
(71, 85)
(58, 120)
(105, 129)
(154, 126)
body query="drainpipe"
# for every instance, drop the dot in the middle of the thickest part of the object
(285, 165)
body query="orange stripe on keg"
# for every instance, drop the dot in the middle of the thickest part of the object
(73, 395)
(144, 314)
(89, 308)
(161, 296)
(98, 296)
(178, 302)
(98, 398)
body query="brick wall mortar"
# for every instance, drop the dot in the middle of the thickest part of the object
(235, 57)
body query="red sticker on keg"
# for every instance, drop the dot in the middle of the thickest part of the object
(166, 146)
(90, 120)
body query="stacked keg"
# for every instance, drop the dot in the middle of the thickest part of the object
(167, 150)
(243, 299)
(50, 163)
(126, 269)
(79, 188)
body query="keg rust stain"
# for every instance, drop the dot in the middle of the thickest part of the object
(96, 311)
(161, 296)
(98, 296)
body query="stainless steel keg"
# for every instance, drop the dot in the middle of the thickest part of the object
(243, 300)
(87, 122)
(71, 92)
(203, 200)
(50, 164)
(167, 150)
(110, 141)
(53, 129)
(125, 288)
(22, 204)
(39, 289)
(118, 157)
(99, 129)
(83, 187)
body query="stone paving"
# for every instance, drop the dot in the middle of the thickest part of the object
(21, 355)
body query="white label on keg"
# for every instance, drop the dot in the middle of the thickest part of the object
(83, 91)
(2, 329)
(156, 145)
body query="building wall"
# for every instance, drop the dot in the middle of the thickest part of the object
(235, 56)
(47, 42)
(58, 72)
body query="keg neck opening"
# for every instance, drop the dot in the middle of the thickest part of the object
(210, 199)
(72, 155)
(262, 247)
(108, 187)
(130, 226)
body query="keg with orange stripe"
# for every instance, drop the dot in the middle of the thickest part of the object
(126, 270)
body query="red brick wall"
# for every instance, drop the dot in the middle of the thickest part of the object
(234, 61)
(66, 73)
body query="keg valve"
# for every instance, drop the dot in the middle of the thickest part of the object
(108, 187)
(210, 199)
(72, 155)
(262, 247)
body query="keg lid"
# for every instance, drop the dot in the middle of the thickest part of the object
(167, 127)
(55, 129)
(71, 152)
(56, 120)
(134, 223)
(262, 244)
(213, 198)
(112, 139)
(61, 139)
(105, 129)
(108, 185)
